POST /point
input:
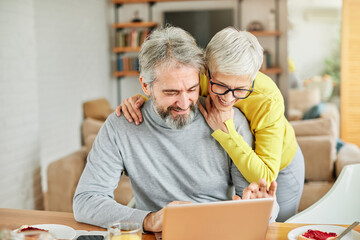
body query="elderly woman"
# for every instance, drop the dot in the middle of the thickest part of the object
(233, 79)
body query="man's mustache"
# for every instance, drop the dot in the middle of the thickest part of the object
(179, 109)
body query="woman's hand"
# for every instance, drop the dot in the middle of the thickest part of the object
(215, 119)
(255, 190)
(130, 107)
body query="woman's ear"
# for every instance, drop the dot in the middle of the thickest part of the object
(145, 87)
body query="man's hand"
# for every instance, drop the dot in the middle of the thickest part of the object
(215, 119)
(255, 190)
(130, 107)
(153, 221)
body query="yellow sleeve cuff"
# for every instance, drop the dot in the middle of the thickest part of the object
(231, 140)
(145, 97)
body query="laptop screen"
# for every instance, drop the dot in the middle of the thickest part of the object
(226, 220)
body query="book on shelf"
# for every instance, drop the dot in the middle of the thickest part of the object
(267, 60)
(120, 64)
(127, 64)
(132, 38)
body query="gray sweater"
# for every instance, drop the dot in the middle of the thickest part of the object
(163, 164)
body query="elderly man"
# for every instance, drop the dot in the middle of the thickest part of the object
(169, 157)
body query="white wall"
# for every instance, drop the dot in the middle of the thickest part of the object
(19, 116)
(314, 28)
(54, 55)
(73, 66)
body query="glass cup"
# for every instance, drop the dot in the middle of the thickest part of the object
(125, 231)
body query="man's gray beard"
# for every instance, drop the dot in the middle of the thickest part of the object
(180, 121)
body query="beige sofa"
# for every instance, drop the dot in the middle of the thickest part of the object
(316, 137)
(64, 174)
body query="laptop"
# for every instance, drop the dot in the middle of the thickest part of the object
(226, 220)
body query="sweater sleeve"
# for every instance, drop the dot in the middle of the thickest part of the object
(264, 161)
(94, 197)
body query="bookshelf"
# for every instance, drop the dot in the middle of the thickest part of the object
(273, 70)
(135, 25)
(128, 39)
(126, 49)
(277, 68)
(126, 73)
(273, 55)
(148, 1)
(266, 33)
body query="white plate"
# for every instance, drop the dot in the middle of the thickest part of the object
(353, 235)
(57, 231)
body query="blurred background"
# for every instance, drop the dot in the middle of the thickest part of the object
(56, 55)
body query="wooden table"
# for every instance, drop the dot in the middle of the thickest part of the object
(14, 218)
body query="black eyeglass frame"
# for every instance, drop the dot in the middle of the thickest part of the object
(229, 89)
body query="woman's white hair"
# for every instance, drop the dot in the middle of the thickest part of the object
(234, 52)
(167, 48)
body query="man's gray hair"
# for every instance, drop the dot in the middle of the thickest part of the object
(234, 52)
(166, 48)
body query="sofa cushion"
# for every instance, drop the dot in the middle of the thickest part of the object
(303, 99)
(123, 193)
(61, 189)
(315, 127)
(89, 142)
(60, 192)
(331, 111)
(90, 126)
(315, 111)
(97, 109)
(325, 110)
(294, 114)
(319, 154)
(348, 154)
(313, 191)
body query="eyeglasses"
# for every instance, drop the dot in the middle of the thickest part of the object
(238, 93)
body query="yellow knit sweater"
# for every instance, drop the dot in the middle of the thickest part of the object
(275, 142)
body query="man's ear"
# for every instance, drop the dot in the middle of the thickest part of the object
(145, 87)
